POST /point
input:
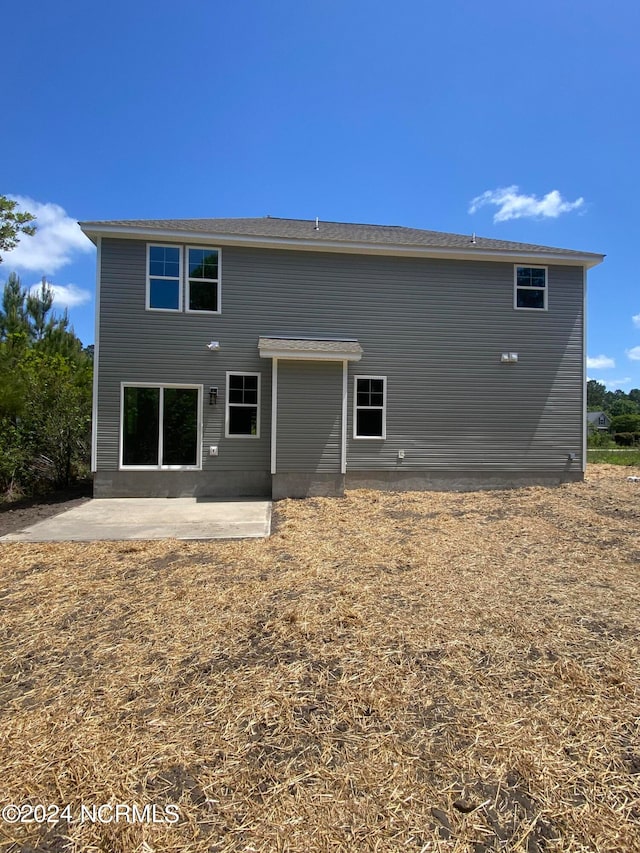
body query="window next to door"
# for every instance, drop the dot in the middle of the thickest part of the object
(370, 407)
(242, 417)
(160, 427)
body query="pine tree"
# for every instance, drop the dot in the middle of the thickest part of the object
(45, 392)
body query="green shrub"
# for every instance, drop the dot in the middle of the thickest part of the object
(598, 438)
(627, 439)
(625, 424)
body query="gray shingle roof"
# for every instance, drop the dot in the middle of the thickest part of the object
(336, 232)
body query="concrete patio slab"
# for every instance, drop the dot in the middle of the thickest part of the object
(152, 518)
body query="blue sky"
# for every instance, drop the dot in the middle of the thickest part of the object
(399, 114)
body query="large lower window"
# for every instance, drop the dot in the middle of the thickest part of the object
(160, 426)
(164, 273)
(203, 280)
(243, 405)
(370, 407)
(530, 284)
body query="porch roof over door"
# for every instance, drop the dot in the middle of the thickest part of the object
(320, 349)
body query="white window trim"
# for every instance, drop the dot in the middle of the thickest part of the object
(165, 277)
(205, 280)
(161, 386)
(376, 408)
(227, 434)
(537, 289)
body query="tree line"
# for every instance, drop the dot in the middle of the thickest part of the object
(46, 378)
(622, 409)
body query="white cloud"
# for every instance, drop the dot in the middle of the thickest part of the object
(512, 204)
(633, 353)
(57, 240)
(614, 384)
(600, 362)
(636, 320)
(66, 295)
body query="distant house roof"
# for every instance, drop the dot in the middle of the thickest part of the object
(341, 236)
(594, 417)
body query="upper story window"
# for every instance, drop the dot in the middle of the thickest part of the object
(370, 407)
(178, 278)
(164, 276)
(530, 288)
(203, 280)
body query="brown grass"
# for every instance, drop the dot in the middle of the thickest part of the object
(388, 672)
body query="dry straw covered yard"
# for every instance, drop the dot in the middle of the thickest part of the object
(388, 672)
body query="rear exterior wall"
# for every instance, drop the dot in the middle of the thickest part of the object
(434, 328)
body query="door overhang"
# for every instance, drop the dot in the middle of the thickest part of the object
(320, 349)
(283, 348)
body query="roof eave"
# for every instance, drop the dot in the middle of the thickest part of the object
(95, 230)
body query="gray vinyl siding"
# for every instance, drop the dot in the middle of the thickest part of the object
(137, 345)
(309, 410)
(434, 328)
(452, 404)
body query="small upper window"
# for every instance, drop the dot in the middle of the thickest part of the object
(163, 278)
(531, 288)
(243, 405)
(203, 280)
(370, 407)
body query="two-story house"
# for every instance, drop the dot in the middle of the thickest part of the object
(289, 358)
(598, 421)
